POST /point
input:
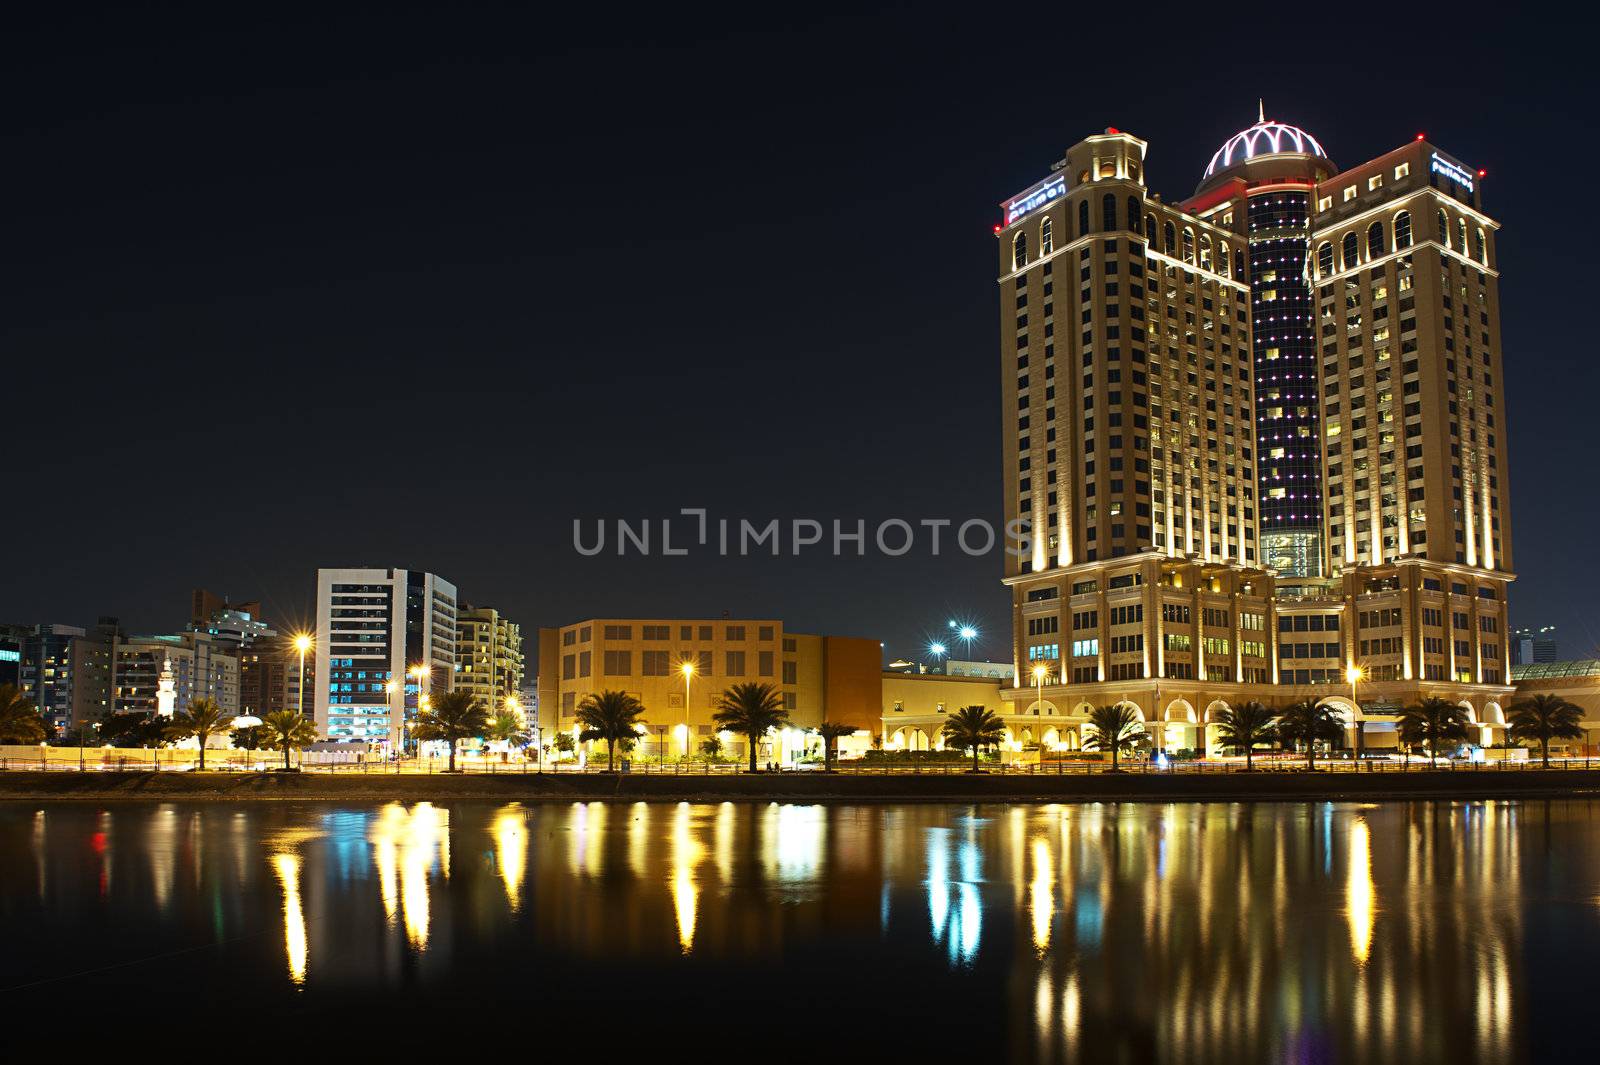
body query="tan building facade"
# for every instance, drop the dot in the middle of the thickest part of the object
(489, 659)
(835, 677)
(1258, 435)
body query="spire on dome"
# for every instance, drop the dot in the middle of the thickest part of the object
(1261, 111)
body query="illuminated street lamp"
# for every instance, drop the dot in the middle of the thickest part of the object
(687, 669)
(302, 643)
(389, 688)
(418, 673)
(1354, 674)
(1039, 675)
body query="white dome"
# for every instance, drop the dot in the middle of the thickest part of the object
(1264, 138)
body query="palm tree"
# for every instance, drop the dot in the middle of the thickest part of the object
(1117, 728)
(202, 720)
(830, 731)
(1435, 722)
(972, 728)
(1309, 722)
(451, 718)
(751, 709)
(711, 746)
(611, 716)
(20, 721)
(286, 730)
(506, 727)
(1544, 718)
(1246, 725)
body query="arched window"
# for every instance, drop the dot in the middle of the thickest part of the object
(1325, 259)
(1481, 252)
(1352, 255)
(1108, 213)
(1083, 217)
(1188, 246)
(1205, 251)
(1375, 245)
(1171, 236)
(1019, 252)
(1046, 243)
(1133, 213)
(1150, 230)
(1402, 230)
(1222, 258)
(1461, 235)
(1444, 229)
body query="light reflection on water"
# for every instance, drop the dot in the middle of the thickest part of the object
(1182, 933)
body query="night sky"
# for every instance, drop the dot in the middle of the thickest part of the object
(410, 288)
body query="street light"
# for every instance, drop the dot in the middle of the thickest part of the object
(389, 687)
(1354, 674)
(302, 643)
(687, 669)
(418, 673)
(1039, 675)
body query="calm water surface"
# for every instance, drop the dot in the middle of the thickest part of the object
(1466, 932)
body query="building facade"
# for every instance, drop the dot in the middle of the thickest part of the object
(66, 672)
(1256, 435)
(385, 642)
(836, 677)
(200, 667)
(489, 659)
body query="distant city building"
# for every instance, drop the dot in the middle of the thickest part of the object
(268, 664)
(1529, 646)
(11, 637)
(66, 671)
(992, 670)
(200, 666)
(834, 677)
(489, 660)
(375, 626)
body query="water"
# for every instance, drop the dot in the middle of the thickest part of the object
(1420, 932)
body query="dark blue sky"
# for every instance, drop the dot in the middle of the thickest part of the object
(403, 287)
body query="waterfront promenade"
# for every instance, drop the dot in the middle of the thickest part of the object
(1466, 783)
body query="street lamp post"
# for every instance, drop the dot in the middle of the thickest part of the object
(418, 673)
(1354, 675)
(687, 669)
(389, 687)
(302, 643)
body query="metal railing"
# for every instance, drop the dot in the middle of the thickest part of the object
(166, 761)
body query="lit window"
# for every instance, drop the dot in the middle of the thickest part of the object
(1349, 194)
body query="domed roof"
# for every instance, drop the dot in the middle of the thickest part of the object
(1264, 138)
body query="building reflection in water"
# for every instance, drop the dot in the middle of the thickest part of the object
(1181, 933)
(408, 845)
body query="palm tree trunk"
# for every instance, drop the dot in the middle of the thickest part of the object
(1544, 745)
(452, 756)
(974, 757)
(1247, 765)
(611, 756)
(287, 747)
(202, 754)
(752, 736)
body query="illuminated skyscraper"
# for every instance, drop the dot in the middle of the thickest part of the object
(1254, 433)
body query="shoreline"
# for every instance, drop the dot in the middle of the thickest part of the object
(1262, 786)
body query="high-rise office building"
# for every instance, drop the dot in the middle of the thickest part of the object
(66, 671)
(1534, 646)
(489, 660)
(374, 627)
(199, 664)
(1256, 432)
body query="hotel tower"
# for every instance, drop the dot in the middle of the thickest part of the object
(1257, 435)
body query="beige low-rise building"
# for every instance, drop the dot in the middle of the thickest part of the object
(679, 667)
